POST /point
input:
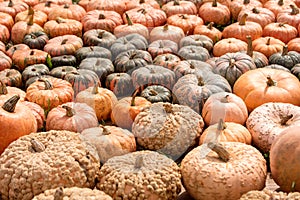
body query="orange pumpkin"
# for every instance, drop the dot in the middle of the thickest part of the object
(179, 7)
(67, 11)
(263, 85)
(16, 120)
(186, 22)
(6, 20)
(229, 45)
(236, 6)
(46, 6)
(166, 32)
(281, 31)
(267, 45)
(209, 30)
(7, 92)
(39, 17)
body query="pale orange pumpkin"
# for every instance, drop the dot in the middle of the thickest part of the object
(281, 31)
(166, 32)
(267, 45)
(228, 45)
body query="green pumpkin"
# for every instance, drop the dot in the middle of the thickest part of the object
(157, 93)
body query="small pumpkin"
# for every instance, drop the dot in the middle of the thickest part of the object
(179, 7)
(39, 17)
(167, 60)
(210, 31)
(191, 67)
(67, 11)
(236, 6)
(7, 92)
(192, 52)
(34, 70)
(5, 61)
(120, 84)
(197, 40)
(36, 40)
(228, 45)
(159, 47)
(110, 141)
(102, 100)
(157, 93)
(267, 45)
(63, 60)
(98, 37)
(92, 52)
(60, 72)
(11, 77)
(282, 31)
(12, 49)
(285, 58)
(187, 22)
(166, 32)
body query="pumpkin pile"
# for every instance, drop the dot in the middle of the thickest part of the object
(146, 99)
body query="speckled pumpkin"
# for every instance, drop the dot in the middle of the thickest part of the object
(223, 170)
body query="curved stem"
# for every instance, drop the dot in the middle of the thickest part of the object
(285, 50)
(10, 104)
(132, 103)
(70, 112)
(285, 119)
(210, 25)
(48, 85)
(214, 3)
(96, 88)
(270, 81)
(105, 130)
(242, 21)
(37, 146)
(30, 11)
(129, 22)
(225, 99)
(58, 195)
(295, 10)
(220, 150)
(3, 88)
(64, 41)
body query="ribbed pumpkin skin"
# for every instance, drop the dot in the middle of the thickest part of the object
(285, 58)
(98, 37)
(36, 40)
(153, 75)
(190, 67)
(167, 60)
(232, 65)
(90, 52)
(5, 34)
(60, 26)
(131, 60)
(120, 84)
(159, 47)
(157, 93)
(61, 71)
(67, 11)
(11, 77)
(194, 89)
(34, 70)
(63, 60)
(5, 61)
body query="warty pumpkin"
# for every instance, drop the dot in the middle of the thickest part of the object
(268, 193)
(46, 160)
(16, 120)
(110, 141)
(263, 85)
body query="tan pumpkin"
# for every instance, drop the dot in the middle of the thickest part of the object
(110, 141)
(225, 132)
(223, 170)
(236, 6)
(102, 100)
(16, 120)
(224, 105)
(141, 174)
(71, 116)
(284, 160)
(166, 32)
(266, 122)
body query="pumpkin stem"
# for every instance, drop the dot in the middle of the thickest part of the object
(48, 85)
(245, 2)
(60, 20)
(129, 22)
(66, 6)
(10, 104)
(220, 150)
(48, 3)
(295, 10)
(105, 130)
(284, 50)
(225, 99)
(280, 2)
(153, 92)
(3, 88)
(255, 10)
(268, 41)
(270, 81)
(242, 21)
(101, 16)
(176, 3)
(58, 195)
(183, 16)
(285, 119)
(132, 103)
(100, 34)
(168, 108)
(214, 3)
(30, 11)
(31, 52)
(10, 4)
(210, 25)
(96, 88)
(166, 27)
(30, 21)
(221, 125)
(70, 112)
(231, 63)
(142, 1)
(142, 10)
(139, 162)
(200, 81)
(249, 47)
(64, 41)
(37, 146)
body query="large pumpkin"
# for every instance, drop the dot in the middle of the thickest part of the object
(264, 85)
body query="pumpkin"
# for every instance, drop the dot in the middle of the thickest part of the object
(285, 58)
(38, 113)
(157, 93)
(194, 89)
(187, 22)
(232, 65)
(23, 58)
(61, 71)
(12, 7)
(71, 116)
(49, 92)
(63, 60)
(296, 70)
(141, 174)
(126, 109)
(156, 128)
(34, 70)
(11, 77)
(197, 40)
(166, 32)
(136, 3)
(179, 7)
(12, 49)
(2, 47)
(236, 6)
(281, 31)
(130, 27)
(120, 84)
(225, 132)
(263, 85)
(152, 75)
(209, 171)
(268, 193)
(167, 60)
(110, 141)
(285, 172)
(116, 6)
(267, 121)
(63, 45)
(209, 30)
(72, 192)
(242, 29)
(92, 52)
(46, 6)
(102, 100)
(51, 159)
(159, 47)
(277, 5)
(131, 60)
(34, 79)
(7, 92)
(293, 44)
(60, 26)
(101, 66)
(260, 15)
(36, 40)
(39, 17)
(67, 11)
(224, 105)
(101, 19)
(5, 34)
(130, 41)
(277, 66)
(147, 16)
(5, 61)
(81, 79)
(290, 16)
(98, 37)
(16, 120)
(191, 67)
(228, 45)
(6, 20)
(192, 52)
(267, 45)
(21, 28)
(214, 12)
